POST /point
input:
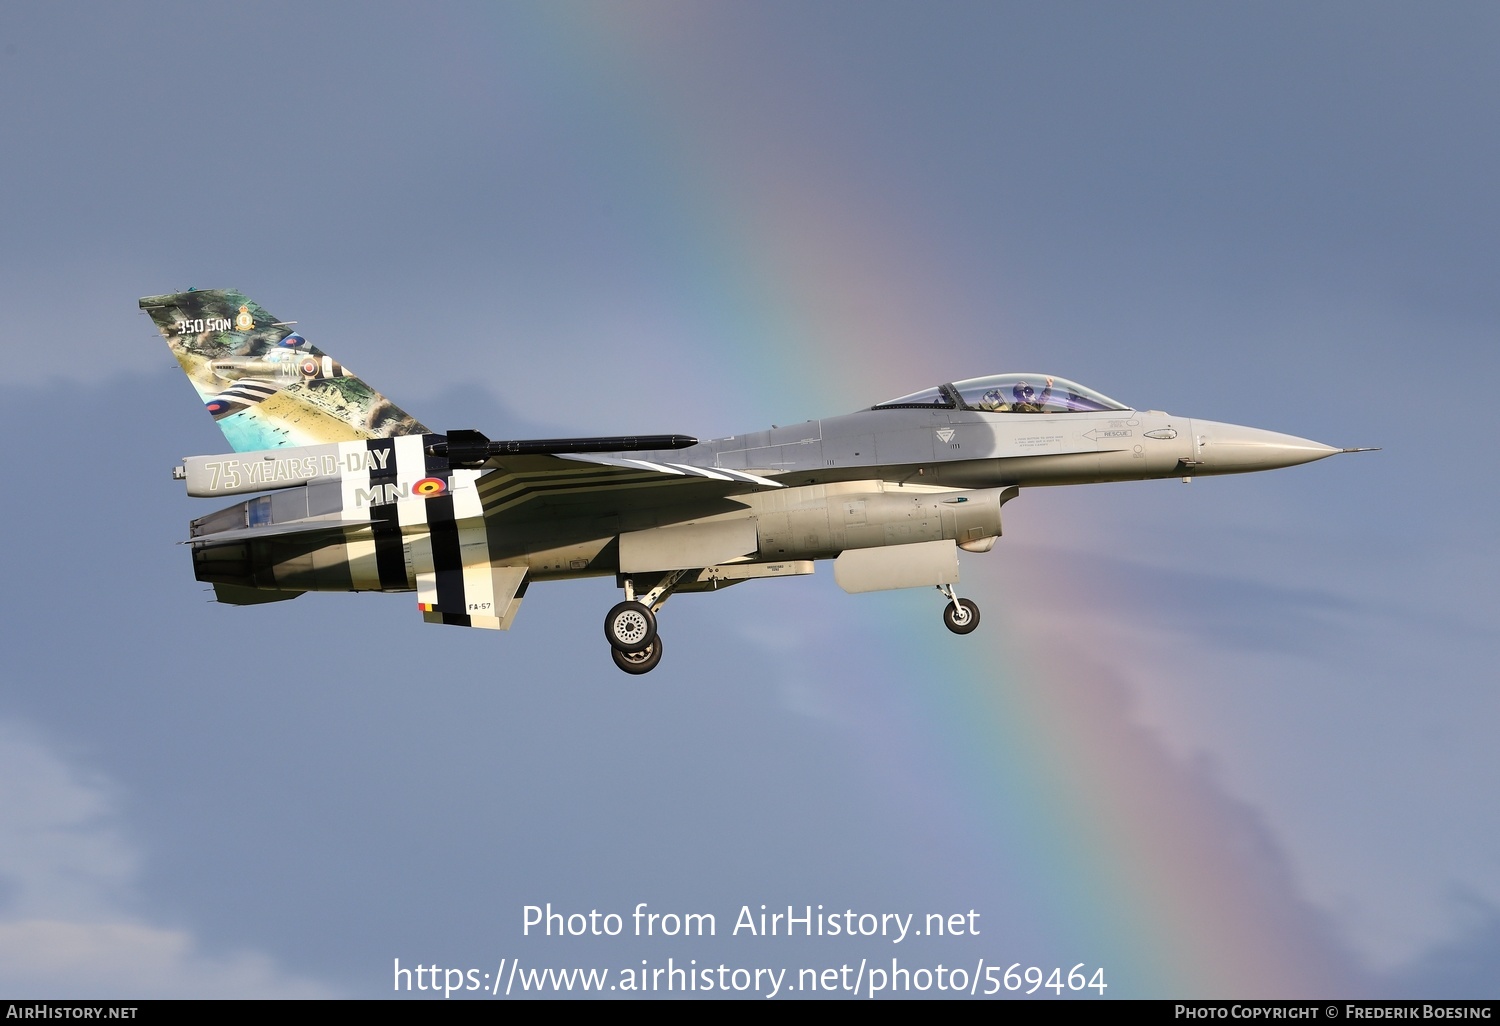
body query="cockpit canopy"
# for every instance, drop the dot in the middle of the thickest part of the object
(1008, 393)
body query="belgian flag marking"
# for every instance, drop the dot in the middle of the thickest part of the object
(429, 486)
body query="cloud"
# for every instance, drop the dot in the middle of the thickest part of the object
(70, 921)
(51, 958)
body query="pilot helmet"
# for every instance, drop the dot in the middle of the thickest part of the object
(1024, 393)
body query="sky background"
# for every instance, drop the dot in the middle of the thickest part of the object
(1233, 739)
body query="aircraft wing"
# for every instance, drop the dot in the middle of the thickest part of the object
(528, 487)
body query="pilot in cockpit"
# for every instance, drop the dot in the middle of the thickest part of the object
(1028, 400)
(1023, 399)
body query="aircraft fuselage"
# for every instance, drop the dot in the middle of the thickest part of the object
(873, 478)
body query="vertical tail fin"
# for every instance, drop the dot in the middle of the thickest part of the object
(265, 385)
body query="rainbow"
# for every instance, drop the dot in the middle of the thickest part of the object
(1103, 848)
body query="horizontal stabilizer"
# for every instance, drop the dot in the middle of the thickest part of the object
(472, 596)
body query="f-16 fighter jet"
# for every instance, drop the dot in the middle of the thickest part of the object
(359, 496)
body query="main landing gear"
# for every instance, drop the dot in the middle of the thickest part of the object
(630, 627)
(643, 661)
(960, 615)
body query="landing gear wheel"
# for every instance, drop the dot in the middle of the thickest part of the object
(630, 627)
(643, 661)
(961, 616)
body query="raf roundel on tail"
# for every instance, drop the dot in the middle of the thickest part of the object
(350, 493)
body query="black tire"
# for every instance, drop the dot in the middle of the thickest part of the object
(643, 661)
(961, 616)
(630, 627)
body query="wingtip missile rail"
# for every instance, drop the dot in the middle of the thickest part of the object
(467, 448)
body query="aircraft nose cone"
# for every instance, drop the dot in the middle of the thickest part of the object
(1230, 448)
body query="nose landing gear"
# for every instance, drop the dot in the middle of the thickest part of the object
(960, 615)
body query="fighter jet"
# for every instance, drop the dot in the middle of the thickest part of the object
(359, 496)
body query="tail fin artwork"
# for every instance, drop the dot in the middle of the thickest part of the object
(266, 385)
